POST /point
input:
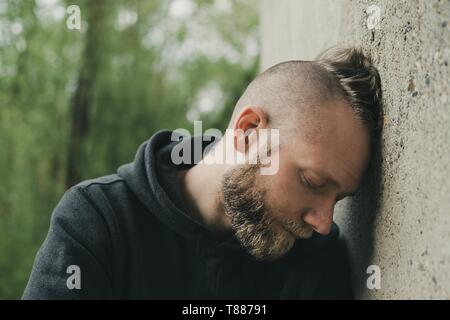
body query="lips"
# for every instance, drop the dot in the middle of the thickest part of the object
(305, 234)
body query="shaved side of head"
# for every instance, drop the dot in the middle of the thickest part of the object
(290, 90)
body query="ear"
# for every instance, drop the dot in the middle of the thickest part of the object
(248, 121)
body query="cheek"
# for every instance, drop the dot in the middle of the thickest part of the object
(285, 197)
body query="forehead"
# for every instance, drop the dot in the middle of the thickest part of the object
(333, 142)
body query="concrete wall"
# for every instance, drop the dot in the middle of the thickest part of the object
(400, 220)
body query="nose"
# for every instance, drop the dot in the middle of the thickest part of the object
(320, 220)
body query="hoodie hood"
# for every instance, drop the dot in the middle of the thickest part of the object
(142, 178)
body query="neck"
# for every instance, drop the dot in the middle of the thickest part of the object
(201, 187)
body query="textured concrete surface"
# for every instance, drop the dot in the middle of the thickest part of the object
(400, 220)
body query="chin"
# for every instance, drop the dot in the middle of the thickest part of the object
(282, 242)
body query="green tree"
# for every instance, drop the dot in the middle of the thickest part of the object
(76, 104)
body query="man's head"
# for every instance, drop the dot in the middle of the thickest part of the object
(328, 112)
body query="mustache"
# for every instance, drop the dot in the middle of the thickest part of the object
(299, 229)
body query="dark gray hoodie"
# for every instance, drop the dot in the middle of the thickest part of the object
(128, 236)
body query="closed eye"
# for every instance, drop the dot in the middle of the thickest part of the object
(309, 184)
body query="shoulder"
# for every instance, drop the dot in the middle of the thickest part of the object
(89, 196)
(85, 210)
(81, 234)
(106, 184)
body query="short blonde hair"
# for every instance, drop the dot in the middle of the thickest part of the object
(360, 82)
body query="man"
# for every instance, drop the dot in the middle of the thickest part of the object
(163, 229)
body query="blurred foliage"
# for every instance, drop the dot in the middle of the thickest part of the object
(153, 65)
